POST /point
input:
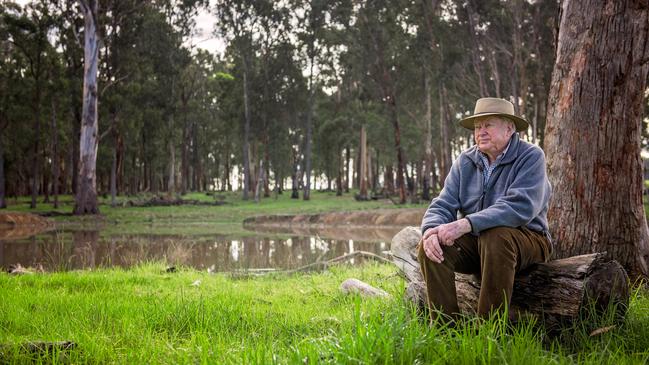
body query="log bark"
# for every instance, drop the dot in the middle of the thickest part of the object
(557, 292)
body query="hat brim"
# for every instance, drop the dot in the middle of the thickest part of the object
(521, 124)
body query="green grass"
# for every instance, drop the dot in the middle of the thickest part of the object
(197, 219)
(144, 315)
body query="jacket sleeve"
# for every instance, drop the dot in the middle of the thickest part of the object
(523, 200)
(443, 209)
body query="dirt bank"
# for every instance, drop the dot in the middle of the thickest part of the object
(365, 225)
(18, 225)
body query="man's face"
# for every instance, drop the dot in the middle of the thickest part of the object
(492, 134)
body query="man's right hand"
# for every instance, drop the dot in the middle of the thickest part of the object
(432, 247)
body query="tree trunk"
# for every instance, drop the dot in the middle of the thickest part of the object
(348, 175)
(428, 142)
(171, 182)
(414, 197)
(86, 198)
(397, 144)
(35, 149)
(306, 195)
(246, 130)
(557, 292)
(260, 181)
(267, 169)
(445, 148)
(3, 203)
(593, 132)
(472, 16)
(55, 158)
(495, 71)
(294, 177)
(186, 142)
(389, 180)
(339, 177)
(363, 165)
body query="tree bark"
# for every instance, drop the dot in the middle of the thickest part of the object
(593, 132)
(428, 143)
(37, 137)
(186, 142)
(55, 158)
(348, 175)
(339, 176)
(306, 195)
(3, 202)
(171, 182)
(246, 130)
(557, 292)
(260, 181)
(362, 193)
(86, 198)
(475, 54)
(445, 160)
(295, 194)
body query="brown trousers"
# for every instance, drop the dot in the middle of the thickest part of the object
(496, 255)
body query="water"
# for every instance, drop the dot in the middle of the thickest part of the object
(88, 249)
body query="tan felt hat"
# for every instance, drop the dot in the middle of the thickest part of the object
(494, 106)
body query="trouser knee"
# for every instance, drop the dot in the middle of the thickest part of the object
(498, 241)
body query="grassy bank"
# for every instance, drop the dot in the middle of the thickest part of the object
(223, 219)
(145, 315)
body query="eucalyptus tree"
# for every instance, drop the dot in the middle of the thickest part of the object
(28, 31)
(238, 22)
(379, 37)
(8, 73)
(593, 132)
(311, 21)
(86, 196)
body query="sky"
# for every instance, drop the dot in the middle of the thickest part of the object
(203, 37)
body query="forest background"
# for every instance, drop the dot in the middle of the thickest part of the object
(305, 94)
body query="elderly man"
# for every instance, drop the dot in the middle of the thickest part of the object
(490, 218)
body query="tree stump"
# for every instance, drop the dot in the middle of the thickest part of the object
(557, 292)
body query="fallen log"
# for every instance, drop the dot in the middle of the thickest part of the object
(558, 292)
(161, 201)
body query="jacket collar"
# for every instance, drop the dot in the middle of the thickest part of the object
(510, 156)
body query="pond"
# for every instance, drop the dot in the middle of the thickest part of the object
(272, 248)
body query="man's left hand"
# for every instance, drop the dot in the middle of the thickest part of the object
(449, 232)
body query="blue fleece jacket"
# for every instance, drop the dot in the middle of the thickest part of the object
(517, 194)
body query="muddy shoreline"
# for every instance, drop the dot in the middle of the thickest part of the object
(365, 225)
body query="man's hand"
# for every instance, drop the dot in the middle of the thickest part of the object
(432, 248)
(445, 234)
(449, 232)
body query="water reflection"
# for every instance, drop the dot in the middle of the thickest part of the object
(68, 250)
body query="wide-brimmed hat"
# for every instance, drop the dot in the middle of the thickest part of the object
(494, 106)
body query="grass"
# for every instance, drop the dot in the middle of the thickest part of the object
(198, 219)
(145, 315)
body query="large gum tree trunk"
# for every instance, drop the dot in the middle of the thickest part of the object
(593, 131)
(86, 198)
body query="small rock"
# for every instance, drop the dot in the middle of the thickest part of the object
(358, 287)
(196, 283)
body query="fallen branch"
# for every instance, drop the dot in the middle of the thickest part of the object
(323, 264)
